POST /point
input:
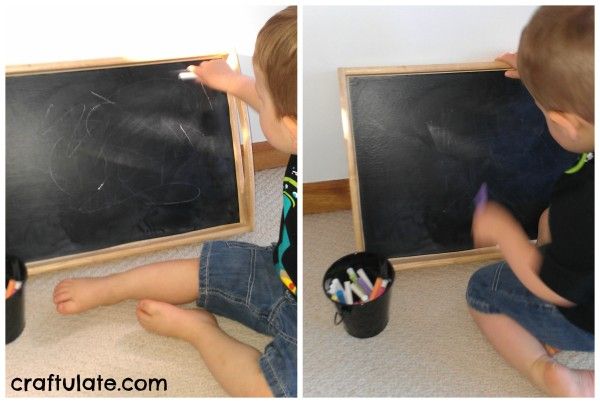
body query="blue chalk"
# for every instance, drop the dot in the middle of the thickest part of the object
(340, 297)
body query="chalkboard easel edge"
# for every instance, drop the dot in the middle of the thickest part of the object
(97, 64)
(134, 248)
(351, 153)
(446, 259)
(244, 158)
(424, 69)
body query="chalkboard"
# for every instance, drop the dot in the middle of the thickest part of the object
(422, 144)
(115, 155)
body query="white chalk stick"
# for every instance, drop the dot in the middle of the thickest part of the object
(187, 75)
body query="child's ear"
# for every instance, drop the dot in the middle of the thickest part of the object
(292, 127)
(569, 122)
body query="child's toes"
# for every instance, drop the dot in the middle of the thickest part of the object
(59, 288)
(141, 314)
(149, 307)
(63, 286)
(61, 297)
(142, 317)
(66, 307)
(144, 306)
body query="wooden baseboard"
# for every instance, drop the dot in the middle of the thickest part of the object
(267, 157)
(325, 197)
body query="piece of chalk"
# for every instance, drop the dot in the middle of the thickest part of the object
(482, 196)
(383, 287)
(10, 288)
(348, 293)
(376, 288)
(352, 275)
(363, 275)
(340, 297)
(336, 285)
(359, 292)
(362, 283)
(187, 75)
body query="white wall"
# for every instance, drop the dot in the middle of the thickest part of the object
(387, 36)
(59, 30)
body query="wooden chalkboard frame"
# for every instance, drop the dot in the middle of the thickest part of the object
(419, 261)
(242, 148)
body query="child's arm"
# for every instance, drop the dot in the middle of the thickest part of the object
(494, 225)
(218, 75)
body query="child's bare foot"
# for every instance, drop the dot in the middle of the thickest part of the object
(77, 295)
(170, 320)
(563, 381)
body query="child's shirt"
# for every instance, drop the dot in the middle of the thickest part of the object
(284, 255)
(568, 265)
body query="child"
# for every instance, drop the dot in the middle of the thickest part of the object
(251, 284)
(546, 296)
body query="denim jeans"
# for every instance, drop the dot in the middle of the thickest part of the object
(496, 289)
(238, 281)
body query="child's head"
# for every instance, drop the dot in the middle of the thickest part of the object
(275, 70)
(556, 64)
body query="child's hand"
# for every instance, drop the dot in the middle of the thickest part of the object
(215, 73)
(511, 60)
(491, 222)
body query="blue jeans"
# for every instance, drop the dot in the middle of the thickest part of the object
(238, 281)
(496, 289)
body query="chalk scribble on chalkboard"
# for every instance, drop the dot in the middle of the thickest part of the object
(186, 135)
(80, 119)
(207, 97)
(170, 194)
(48, 110)
(87, 119)
(57, 121)
(109, 129)
(51, 171)
(102, 98)
(449, 142)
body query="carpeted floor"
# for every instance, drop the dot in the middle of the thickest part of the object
(109, 342)
(430, 347)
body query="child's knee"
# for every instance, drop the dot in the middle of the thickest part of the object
(479, 288)
(481, 279)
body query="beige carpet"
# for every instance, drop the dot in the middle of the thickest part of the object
(430, 346)
(109, 342)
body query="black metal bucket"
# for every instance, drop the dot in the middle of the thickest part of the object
(15, 304)
(367, 319)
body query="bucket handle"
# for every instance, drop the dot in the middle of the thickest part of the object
(335, 318)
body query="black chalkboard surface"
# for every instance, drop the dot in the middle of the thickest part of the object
(424, 144)
(102, 157)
